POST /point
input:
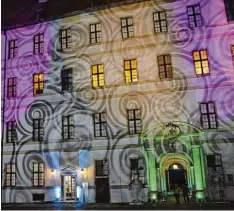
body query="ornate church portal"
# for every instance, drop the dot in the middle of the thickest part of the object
(174, 156)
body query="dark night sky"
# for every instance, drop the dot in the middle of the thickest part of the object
(21, 11)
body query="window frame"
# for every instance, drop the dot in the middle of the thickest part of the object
(67, 38)
(12, 88)
(102, 125)
(40, 128)
(127, 27)
(103, 173)
(39, 83)
(194, 15)
(98, 74)
(11, 173)
(70, 127)
(208, 115)
(229, 13)
(215, 166)
(40, 43)
(159, 21)
(228, 176)
(134, 120)
(164, 65)
(12, 130)
(66, 85)
(13, 50)
(38, 172)
(130, 70)
(200, 60)
(96, 33)
(140, 175)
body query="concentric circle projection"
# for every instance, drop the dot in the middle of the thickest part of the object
(159, 100)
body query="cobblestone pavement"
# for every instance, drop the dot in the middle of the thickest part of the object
(156, 206)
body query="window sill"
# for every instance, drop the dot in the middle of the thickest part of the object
(211, 130)
(230, 22)
(98, 87)
(127, 38)
(93, 44)
(100, 138)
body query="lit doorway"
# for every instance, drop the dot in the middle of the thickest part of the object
(176, 174)
(69, 184)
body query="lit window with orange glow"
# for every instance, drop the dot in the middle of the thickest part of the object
(130, 68)
(201, 63)
(98, 75)
(38, 83)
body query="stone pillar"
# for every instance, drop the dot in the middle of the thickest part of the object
(152, 176)
(198, 172)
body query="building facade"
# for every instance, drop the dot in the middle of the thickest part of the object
(130, 90)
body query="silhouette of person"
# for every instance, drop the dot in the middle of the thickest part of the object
(185, 190)
(177, 193)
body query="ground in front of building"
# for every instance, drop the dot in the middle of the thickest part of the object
(122, 206)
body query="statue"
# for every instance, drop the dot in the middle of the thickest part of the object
(136, 189)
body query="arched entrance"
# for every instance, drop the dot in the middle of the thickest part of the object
(172, 143)
(174, 168)
(176, 174)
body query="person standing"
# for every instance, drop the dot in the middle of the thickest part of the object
(177, 193)
(185, 190)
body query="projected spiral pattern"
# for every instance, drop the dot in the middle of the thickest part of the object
(160, 101)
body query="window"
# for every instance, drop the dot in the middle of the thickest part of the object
(160, 22)
(134, 121)
(99, 120)
(130, 69)
(11, 132)
(194, 16)
(38, 174)
(230, 178)
(38, 83)
(98, 75)
(127, 27)
(95, 33)
(201, 63)
(215, 169)
(233, 53)
(101, 167)
(38, 129)
(66, 79)
(137, 169)
(10, 175)
(164, 66)
(208, 116)
(229, 6)
(38, 44)
(68, 127)
(13, 49)
(65, 38)
(11, 87)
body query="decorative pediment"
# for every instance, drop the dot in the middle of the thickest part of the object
(68, 168)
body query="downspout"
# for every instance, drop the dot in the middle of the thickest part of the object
(3, 109)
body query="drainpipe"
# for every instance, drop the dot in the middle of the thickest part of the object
(3, 107)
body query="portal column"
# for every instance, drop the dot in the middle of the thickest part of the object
(152, 176)
(198, 172)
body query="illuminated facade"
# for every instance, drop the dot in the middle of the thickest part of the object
(94, 99)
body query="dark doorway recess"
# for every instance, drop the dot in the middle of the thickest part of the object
(175, 176)
(102, 190)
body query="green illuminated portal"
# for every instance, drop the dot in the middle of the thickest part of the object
(193, 162)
